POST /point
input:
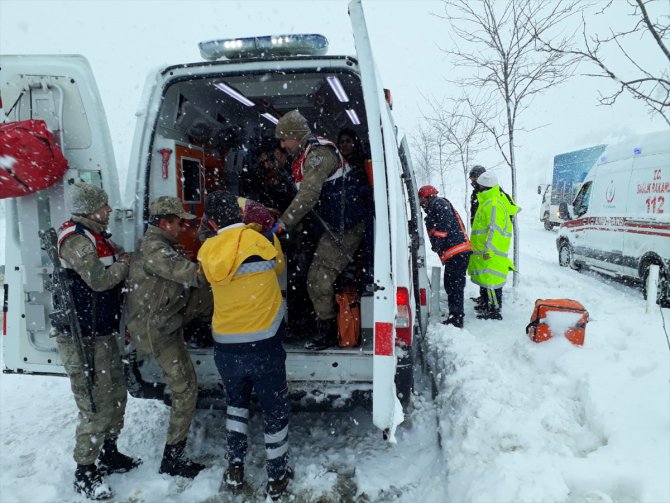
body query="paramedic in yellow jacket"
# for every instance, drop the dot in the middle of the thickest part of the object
(490, 238)
(242, 266)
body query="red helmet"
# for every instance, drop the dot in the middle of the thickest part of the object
(427, 190)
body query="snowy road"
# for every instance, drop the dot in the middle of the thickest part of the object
(519, 421)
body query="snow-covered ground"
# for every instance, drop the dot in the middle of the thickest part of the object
(512, 421)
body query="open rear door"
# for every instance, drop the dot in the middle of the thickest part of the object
(60, 90)
(386, 408)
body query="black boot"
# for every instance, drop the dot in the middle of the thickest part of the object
(174, 463)
(327, 335)
(233, 477)
(491, 313)
(112, 461)
(87, 481)
(276, 488)
(455, 320)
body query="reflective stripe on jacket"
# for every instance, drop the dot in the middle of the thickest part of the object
(492, 235)
(446, 231)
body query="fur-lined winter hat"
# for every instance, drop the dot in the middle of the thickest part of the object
(487, 179)
(85, 199)
(292, 126)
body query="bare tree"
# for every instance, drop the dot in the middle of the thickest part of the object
(422, 142)
(652, 86)
(462, 130)
(498, 40)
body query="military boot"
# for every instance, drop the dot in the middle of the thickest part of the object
(455, 320)
(326, 335)
(174, 463)
(112, 461)
(492, 313)
(276, 488)
(87, 481)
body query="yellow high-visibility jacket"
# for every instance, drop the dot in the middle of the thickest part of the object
(242, 266)
(491, 234)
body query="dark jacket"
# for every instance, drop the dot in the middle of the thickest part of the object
(446, 231)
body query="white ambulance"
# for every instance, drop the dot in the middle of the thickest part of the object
(619, 221)
(197, 125)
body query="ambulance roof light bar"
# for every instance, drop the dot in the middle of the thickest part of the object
(267, 46)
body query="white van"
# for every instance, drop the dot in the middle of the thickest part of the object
(197, 128)
(619, 221)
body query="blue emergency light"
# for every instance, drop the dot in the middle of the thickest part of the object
(266, 46)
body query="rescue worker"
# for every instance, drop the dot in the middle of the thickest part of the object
(449, 239)
(242, 265)
(97, 268)
(166, 291)
(490, 238)
(475, 172)
(341, 205)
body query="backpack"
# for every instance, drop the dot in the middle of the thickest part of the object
(554, 317)
(30, 158)
(348, 318)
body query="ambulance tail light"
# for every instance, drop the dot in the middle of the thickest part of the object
(423, 296)
(403, 319)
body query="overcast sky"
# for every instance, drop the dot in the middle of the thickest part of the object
(124, 40)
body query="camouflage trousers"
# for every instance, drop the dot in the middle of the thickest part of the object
(109, 394)
(172, 356)
(328, 262)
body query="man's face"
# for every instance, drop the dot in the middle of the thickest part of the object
(280, 156)
(173, 226)
(101, 216)
(346, 145)
(423, 201)
(290, 145)
(473, 182)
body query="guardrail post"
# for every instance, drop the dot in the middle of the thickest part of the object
(652, 287)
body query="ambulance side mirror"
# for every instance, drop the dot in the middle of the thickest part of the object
(564, 211)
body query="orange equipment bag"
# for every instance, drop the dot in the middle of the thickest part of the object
(348, 318)
(553, 317)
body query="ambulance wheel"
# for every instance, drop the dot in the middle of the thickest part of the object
(663, 289)
(566, 257)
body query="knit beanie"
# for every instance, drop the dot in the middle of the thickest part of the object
(85, 199)
(487, 179)
(476, 171)
(222, 207)
(292, 126)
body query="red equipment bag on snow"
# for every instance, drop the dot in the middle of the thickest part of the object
(348, 318)
(30, 158)
(554, 317)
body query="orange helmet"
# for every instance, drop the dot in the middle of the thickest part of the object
(427, 190)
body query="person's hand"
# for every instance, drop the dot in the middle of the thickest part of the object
(278, 228)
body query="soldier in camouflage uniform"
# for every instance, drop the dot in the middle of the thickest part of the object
(97, 269)
(342, 204)
(166, 291)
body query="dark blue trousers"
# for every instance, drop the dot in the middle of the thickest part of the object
(263, 370)
(454, 282)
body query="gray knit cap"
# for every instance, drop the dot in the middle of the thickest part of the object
(85, 199)
(476, 171)
(292, 126)
(487, 179)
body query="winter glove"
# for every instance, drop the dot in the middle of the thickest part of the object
(278, 228)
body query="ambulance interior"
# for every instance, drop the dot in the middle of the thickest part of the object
(209, 136)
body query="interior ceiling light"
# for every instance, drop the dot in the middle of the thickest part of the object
(270, 117)
(234, 94)
(338, 89)
(353, 116)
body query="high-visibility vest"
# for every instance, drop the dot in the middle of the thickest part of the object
(492, 234)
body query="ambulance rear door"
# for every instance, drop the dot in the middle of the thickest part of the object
(386, 409)
(61, 90)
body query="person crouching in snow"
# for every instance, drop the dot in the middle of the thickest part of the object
(449, 239)
(243, 265)
(491, 237)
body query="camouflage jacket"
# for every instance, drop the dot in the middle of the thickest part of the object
(158, 284)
